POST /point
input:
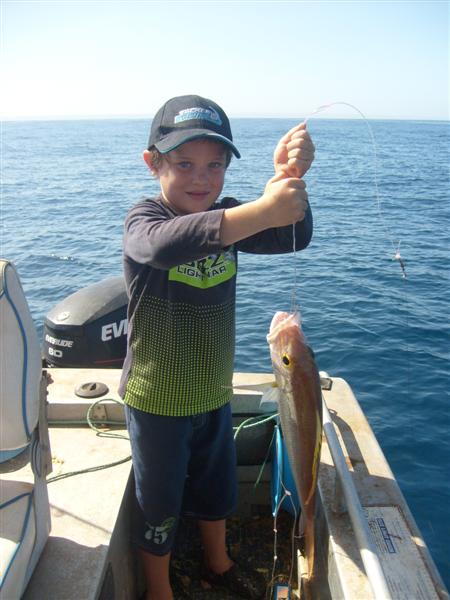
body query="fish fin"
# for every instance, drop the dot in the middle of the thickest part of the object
(270, 394)
(254, 387)
(270, 399)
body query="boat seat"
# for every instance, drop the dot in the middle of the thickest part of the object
(24, 505)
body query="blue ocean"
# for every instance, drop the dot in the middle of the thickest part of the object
(67, 186)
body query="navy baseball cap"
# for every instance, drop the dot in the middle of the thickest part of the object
(186, 118)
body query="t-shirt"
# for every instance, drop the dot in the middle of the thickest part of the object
(181, 285)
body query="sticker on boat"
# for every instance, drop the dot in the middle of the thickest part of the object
(398, 552)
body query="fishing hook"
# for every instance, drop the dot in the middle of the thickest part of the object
(398, 256)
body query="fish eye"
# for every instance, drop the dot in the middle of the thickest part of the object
(286, 360)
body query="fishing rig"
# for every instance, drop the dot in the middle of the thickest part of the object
(277, 590)
(396, 249)
(396, 255)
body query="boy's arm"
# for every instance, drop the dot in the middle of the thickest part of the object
(154, 237)
(279, 240)
(284, 201)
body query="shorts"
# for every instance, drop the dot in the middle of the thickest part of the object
(182, 466)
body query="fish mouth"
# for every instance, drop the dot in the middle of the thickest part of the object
(281, 320)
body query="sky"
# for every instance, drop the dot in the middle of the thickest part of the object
(256, 59)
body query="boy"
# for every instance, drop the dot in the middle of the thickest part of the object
(180, 263)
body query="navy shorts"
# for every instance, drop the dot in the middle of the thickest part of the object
(182, 466)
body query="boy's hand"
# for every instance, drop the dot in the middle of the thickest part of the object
(285, 200)
(294, 152)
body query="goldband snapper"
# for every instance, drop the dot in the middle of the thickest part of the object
(300, 411)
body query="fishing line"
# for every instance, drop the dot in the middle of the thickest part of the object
(294, 302)
(396, 255)
(286, 494)
(395, 246)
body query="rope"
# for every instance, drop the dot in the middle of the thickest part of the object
(100, 433)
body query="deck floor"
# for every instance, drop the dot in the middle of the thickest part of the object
(250, 542)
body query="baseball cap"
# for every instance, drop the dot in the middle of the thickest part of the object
(186, 118)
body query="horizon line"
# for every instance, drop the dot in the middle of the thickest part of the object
(17, 118)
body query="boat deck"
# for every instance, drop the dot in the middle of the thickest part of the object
(88, 552)
(88, 555)
(406, 562)
(89, 521)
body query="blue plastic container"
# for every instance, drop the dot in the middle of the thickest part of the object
(282, 474)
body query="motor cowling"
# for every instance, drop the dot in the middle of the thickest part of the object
(89, 327)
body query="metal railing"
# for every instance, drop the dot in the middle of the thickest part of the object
(358, 519)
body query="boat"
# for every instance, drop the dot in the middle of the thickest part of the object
(67, 484)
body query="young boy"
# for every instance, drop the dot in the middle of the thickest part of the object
(180, 264)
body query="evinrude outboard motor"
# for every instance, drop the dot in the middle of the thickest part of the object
(88, 328)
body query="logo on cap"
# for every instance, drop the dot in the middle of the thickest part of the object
(203, 114)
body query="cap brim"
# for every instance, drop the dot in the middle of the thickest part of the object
(177, 138)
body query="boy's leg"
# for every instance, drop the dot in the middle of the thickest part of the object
(220, 569)
(160, 453)
(213, 535)
(210, 496)
(156, 571)
(211, 488)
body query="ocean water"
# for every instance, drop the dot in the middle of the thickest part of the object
(67, 186)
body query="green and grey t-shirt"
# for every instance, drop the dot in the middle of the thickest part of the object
(181, 285)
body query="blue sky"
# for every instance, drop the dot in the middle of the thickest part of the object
(92, 58)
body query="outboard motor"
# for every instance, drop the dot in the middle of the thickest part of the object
(88, 328)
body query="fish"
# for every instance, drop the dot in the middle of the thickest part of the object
(300, 414)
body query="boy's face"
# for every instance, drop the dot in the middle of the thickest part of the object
(192, 175)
